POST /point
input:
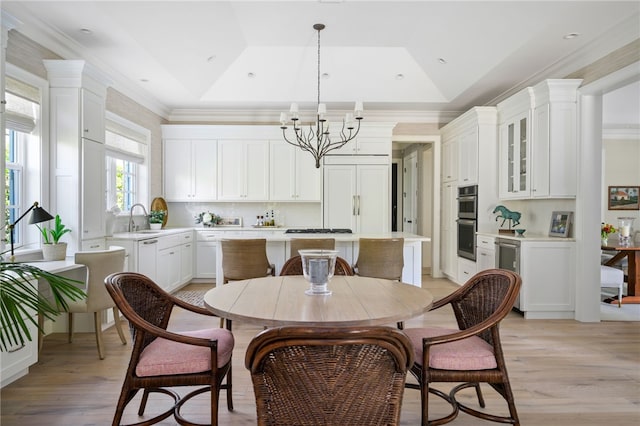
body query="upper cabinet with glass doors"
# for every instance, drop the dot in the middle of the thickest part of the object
(537, 142)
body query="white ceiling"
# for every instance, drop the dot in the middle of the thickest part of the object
(197, 56)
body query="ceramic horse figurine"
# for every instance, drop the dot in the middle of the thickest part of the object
(506, 214)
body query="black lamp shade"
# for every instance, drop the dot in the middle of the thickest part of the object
(39, 215)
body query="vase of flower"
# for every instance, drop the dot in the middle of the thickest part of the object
(605, 230)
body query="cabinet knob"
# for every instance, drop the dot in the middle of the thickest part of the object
(86, 130)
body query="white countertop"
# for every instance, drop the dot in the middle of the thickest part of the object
(525, 237)
(271, 234)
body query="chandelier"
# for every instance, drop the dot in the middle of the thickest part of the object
(317, 140)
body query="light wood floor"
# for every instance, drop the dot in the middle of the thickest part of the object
(563, 373)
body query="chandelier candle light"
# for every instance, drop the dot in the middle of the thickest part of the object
(318, 141)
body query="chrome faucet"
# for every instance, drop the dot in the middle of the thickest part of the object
(131, 215)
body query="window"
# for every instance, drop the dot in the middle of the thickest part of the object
(13, 180)
(22, 153)
(126, 152)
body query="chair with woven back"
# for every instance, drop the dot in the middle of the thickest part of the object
(329, 376)
(243, 259)
(163, 359)
(297, 244)
(472, 354)
(293, 266)
(380, 258)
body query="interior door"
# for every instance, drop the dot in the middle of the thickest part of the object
(410, 193)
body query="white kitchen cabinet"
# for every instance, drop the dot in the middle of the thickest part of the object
(292, 174)
(190, 169)
(548, 279)
(93, 190)
(485, 252)
(538, 142)
(147, 258)
(466, 269)
(449, 231)
(243, 170)
(93, 245)
(93, 117)
(206, 259)
(186, 258)
(450, 159)
(554, 149)
(175, 260)
(77, 94)
(169, 263)
(365, 145)
(515, 147)
(166, 259)
(357, 196)
(468, 157)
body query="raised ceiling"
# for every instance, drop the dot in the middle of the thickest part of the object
(181, 57)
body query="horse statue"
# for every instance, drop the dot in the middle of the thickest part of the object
(506, 214)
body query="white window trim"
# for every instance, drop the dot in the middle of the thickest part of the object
(31, 235)
(143, 181)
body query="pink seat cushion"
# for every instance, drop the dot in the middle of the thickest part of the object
(471, 353)
(165, 357)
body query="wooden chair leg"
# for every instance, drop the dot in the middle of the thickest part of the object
(98, 327)
(70, 323)
(116, 318)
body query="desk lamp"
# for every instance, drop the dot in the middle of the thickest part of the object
(39, 215)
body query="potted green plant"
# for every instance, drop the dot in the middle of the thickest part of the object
(53, 249)
(156, 218)
(20, 298)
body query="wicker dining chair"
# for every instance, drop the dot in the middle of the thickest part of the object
(162, 359)
(297, 244)
(473, 353)
(243, 259)
(329, 376)
(293, 266)
(380, 258)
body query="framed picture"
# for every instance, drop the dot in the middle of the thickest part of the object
(623, 197)
(560, 224)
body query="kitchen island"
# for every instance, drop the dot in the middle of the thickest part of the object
(207, 258)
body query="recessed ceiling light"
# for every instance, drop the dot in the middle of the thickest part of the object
(325, 76)
(211, 58)
(86, 31)
(442, 60)
(251, 75)
(399, 76)
(144, 80)
(570, 36)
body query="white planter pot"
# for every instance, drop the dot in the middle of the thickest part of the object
(54, 251)
(155, 225)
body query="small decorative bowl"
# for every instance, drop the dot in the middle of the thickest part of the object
(520, 232)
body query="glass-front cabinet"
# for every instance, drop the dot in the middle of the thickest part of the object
(515, 179)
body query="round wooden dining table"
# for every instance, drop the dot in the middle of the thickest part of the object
(355, 301)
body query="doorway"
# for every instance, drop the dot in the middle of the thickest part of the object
(410, 193)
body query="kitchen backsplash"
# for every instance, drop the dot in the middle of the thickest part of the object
(287, 214)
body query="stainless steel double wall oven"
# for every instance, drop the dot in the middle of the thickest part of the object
(467, 221)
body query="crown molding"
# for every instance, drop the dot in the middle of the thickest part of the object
(266, 116)
(620, 132)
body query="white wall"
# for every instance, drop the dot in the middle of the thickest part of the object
(621, 167)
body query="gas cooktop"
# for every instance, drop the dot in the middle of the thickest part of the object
(319, 231)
